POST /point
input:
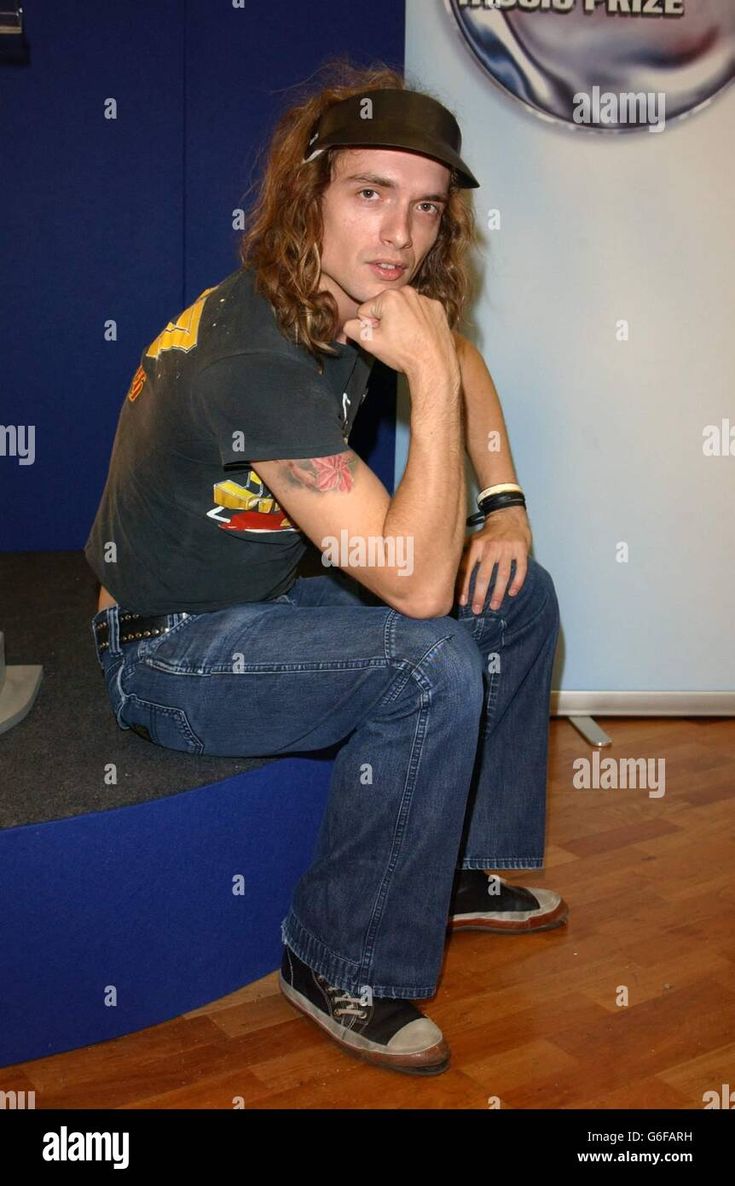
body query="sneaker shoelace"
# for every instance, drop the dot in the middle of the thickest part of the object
(339, 994)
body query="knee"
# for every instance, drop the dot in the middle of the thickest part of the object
(542, 593)
(444, 657)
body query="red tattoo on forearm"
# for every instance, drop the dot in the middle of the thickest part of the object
(322, 473)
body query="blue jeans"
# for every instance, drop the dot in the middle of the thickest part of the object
(444, 723)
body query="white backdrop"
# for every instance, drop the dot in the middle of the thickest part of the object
(607, 436)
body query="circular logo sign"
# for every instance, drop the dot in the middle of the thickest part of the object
(604, 65)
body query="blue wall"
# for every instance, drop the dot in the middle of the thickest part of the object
(130, 218)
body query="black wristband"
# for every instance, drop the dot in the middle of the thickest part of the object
(507, 498)
(496, 502)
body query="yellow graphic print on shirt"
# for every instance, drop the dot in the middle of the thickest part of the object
(136, 384)
(253, 508)
(181, 334)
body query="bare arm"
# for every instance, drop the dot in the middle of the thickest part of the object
(487, 440)
(429, 506)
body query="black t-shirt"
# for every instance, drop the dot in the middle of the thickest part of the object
(184, 523)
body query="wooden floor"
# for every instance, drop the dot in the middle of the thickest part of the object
(532, 1021)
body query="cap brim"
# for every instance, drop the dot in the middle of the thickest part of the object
(416, 144)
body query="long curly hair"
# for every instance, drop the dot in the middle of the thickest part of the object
(283, 228)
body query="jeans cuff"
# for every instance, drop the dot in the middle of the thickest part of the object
(502, 863)
(341, 972)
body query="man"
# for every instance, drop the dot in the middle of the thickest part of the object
(434, 671)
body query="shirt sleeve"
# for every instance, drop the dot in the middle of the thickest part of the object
(262, 406)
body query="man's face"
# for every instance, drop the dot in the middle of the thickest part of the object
(382, 204)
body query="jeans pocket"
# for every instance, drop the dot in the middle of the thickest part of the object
(149, 646)
(143, 650)
(160, 723)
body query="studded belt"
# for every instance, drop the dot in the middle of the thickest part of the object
(133, 627)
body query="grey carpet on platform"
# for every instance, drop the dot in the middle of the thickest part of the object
(52, 763)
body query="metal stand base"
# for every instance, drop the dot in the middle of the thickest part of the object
(18, 690)
(591, 731)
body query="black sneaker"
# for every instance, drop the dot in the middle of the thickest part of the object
(389, 1032)
(482, 903)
